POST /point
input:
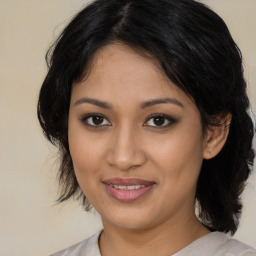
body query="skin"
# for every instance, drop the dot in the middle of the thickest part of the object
(127, 143)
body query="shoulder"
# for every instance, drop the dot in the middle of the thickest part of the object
(87, 247)
(234, 247)
(217, 244)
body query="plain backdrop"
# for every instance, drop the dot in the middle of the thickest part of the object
(30, 222)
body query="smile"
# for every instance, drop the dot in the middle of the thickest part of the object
(132, 187)
(127, 190)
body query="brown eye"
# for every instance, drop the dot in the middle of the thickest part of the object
(95, 120)
(160, 121)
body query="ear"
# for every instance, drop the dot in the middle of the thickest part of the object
(216, 136)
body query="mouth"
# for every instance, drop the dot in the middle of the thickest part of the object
(131, 187)
(128, 190)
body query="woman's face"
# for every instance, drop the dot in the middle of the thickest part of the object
(136, 141)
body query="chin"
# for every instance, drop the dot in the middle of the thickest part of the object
(132, 220)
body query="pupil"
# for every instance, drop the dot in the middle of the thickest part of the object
(159, 121)
(97, 119)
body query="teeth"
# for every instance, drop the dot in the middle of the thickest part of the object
(132, 187)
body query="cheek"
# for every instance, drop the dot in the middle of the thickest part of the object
(84, 153)
(180, 156)
(84, 156)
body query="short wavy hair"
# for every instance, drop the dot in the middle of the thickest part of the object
(194, 48)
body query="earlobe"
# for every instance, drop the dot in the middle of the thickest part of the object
(216, 136)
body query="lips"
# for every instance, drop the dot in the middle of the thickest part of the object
(127, 190)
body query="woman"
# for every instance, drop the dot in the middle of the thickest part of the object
(147, 103)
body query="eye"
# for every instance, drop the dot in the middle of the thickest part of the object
(160, 120)
(96, 120)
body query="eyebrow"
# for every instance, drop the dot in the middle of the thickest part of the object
(153, 102)
(95, 102)
(143, 105)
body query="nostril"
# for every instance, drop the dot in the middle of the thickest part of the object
(125, 159)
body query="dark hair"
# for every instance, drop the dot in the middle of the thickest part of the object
(193, 46)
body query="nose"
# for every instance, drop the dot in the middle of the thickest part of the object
(125, 150)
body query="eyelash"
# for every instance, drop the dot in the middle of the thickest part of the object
(167, 118)
(85, 118)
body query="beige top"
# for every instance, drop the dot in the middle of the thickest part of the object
(213, 244)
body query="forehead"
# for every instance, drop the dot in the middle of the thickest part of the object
(119, 71)
(118, 58)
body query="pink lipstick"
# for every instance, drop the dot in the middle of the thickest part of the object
(127, 190)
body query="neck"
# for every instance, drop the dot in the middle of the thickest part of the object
(163, 240)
